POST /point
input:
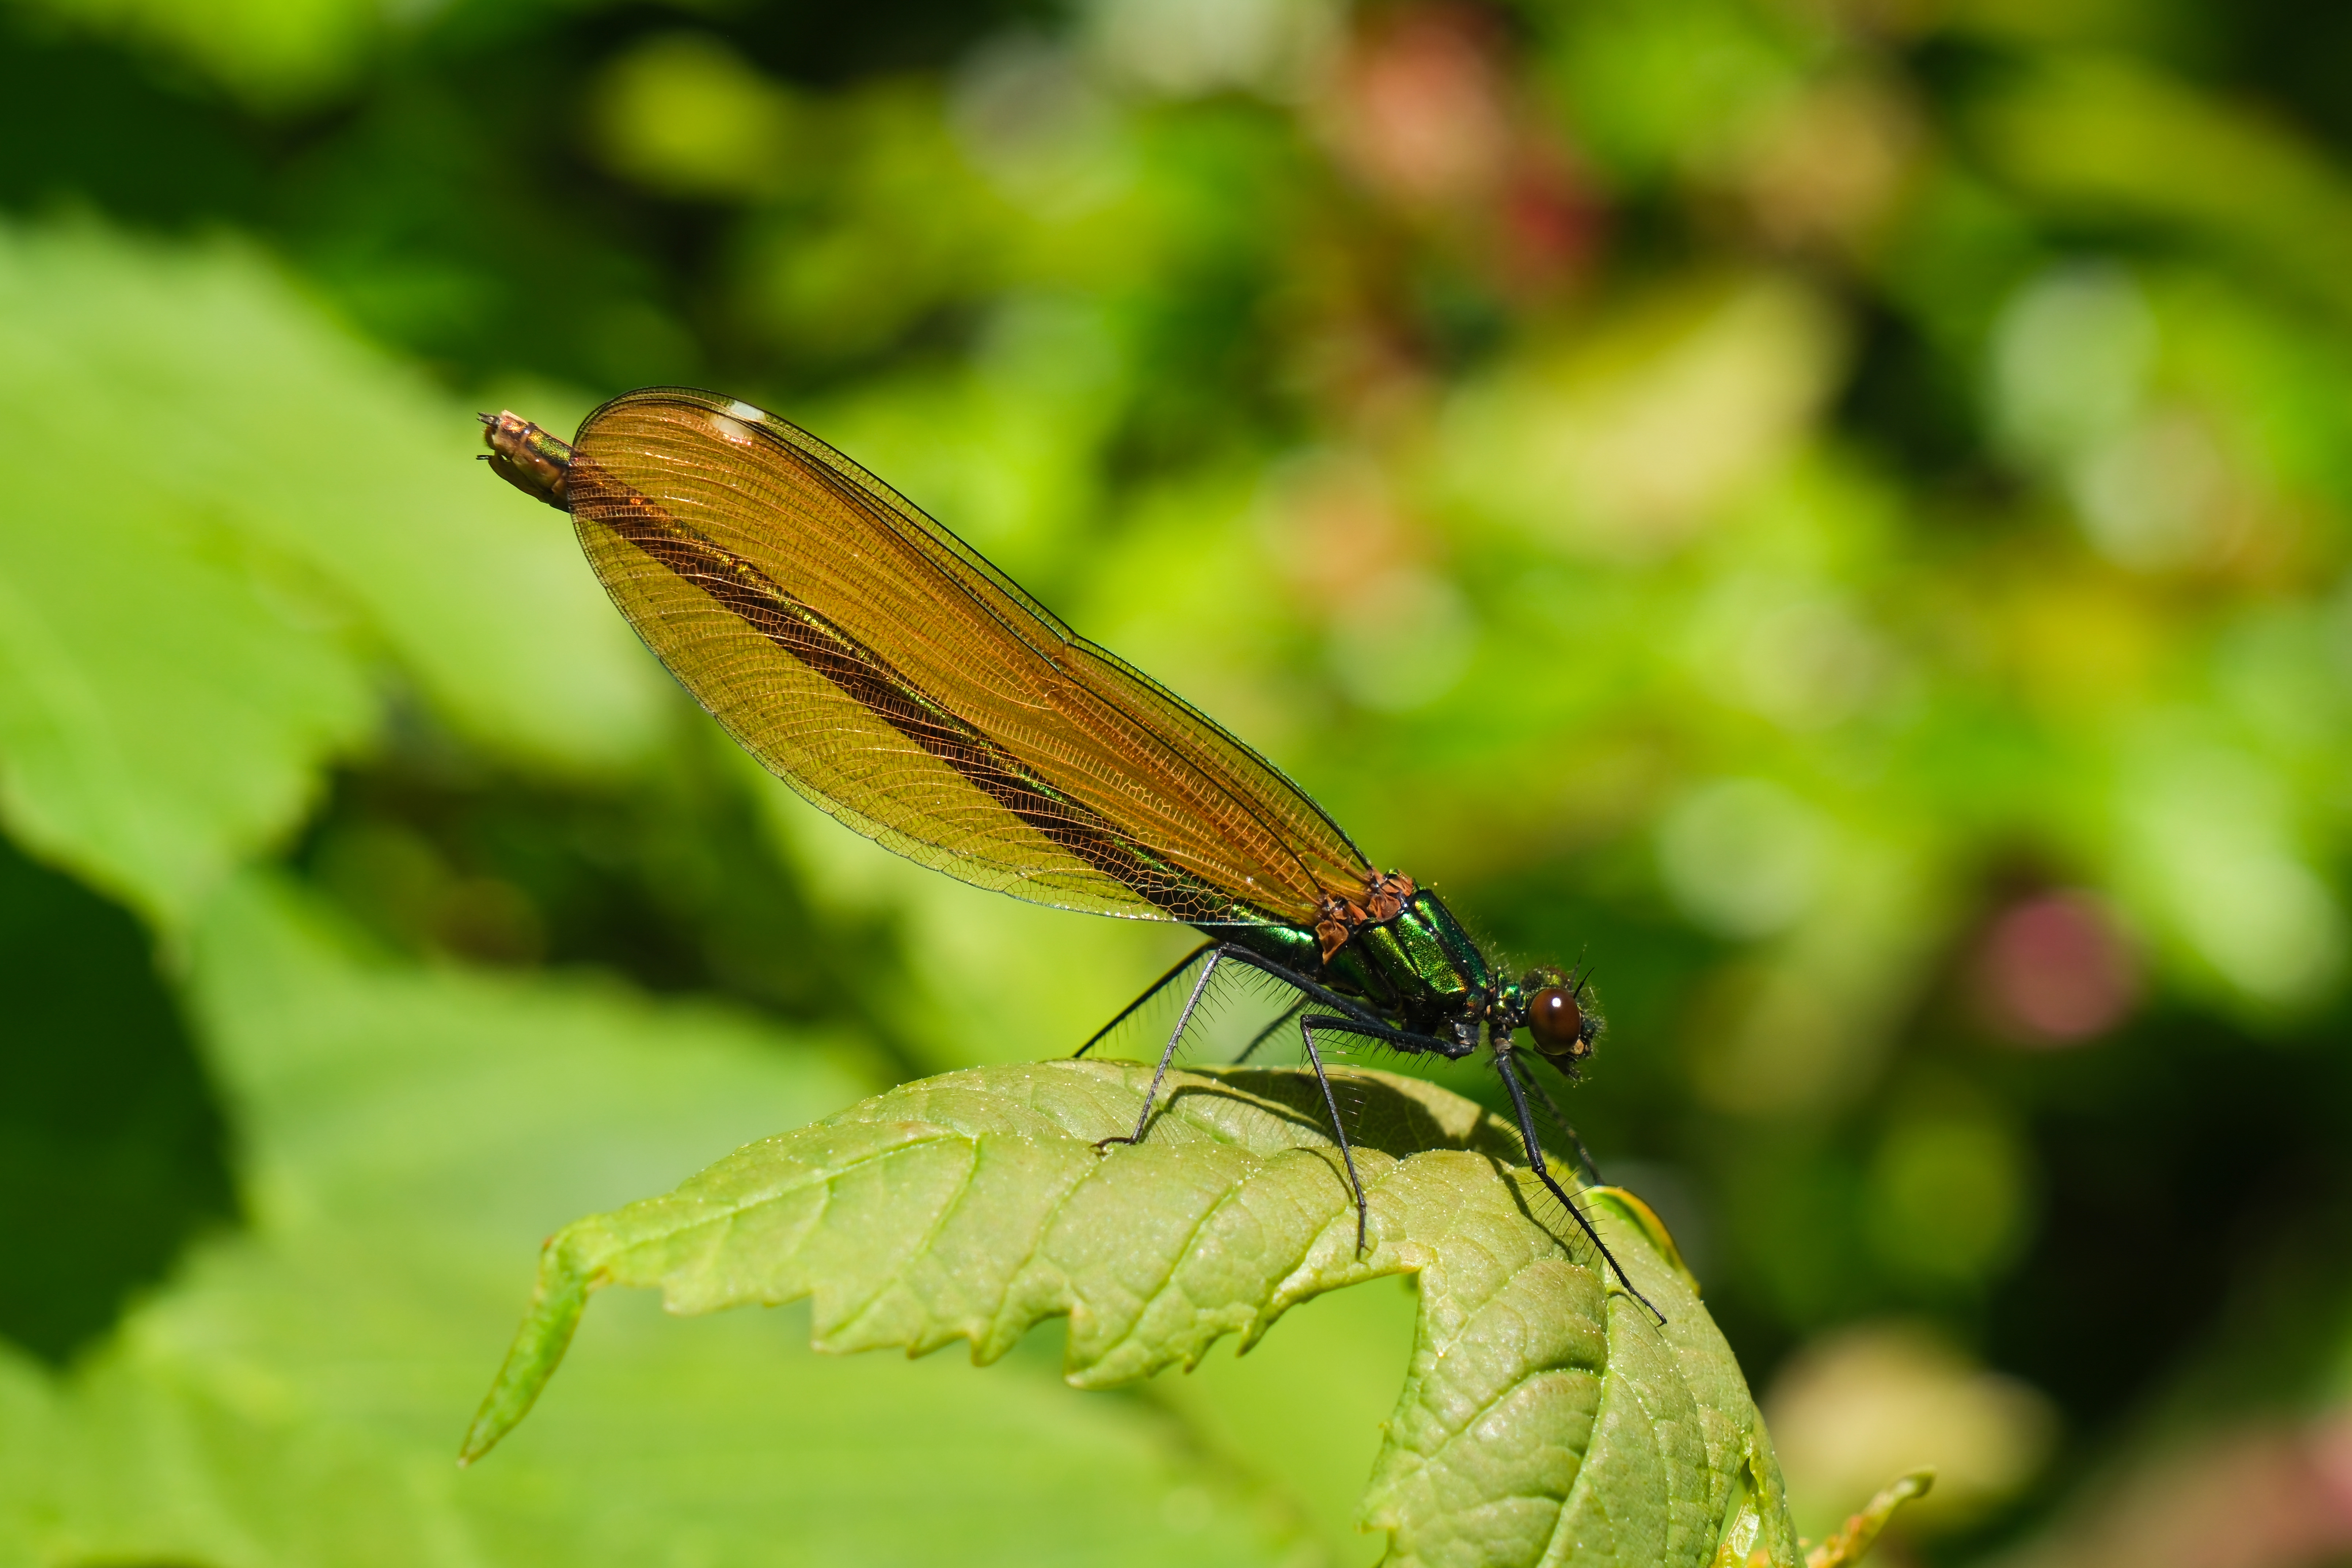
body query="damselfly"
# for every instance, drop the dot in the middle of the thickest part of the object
(876, 663)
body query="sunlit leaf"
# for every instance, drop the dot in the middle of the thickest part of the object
(1545, 1417)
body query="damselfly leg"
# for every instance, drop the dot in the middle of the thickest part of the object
(1348, 1018)
(1308, 989)
(1585, 1168)
(1503, 1065)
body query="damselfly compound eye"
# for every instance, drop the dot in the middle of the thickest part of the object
(1557, 1023)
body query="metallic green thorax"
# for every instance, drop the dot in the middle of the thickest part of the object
(1419, 968)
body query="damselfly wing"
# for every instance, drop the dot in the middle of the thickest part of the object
(878, 665)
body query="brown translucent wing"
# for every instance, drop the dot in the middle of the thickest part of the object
(883, 669)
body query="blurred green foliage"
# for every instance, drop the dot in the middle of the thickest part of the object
(1835, 509)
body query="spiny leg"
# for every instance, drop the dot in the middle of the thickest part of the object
(1419, 1045)
(1364, 1024)
(1218, 953)
(1357, 1018)
(1174, 1039)
(1543, 1174)
(1360, 1018)
(1406, 1040)
(1307, 1027)
(1154, 989)
(1589, 1172)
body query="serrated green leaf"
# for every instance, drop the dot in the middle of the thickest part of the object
(1546, 1419)
(217, 507)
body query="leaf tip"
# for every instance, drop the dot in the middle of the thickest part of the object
(1861, 1532)
(539, 1346)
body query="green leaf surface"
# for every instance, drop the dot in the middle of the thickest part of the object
(1546, 1417)
(290, 1396)
(219, 509)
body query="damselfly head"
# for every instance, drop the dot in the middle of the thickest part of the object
(1556, 1022)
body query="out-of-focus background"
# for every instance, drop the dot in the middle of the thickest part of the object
(1832, 511)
